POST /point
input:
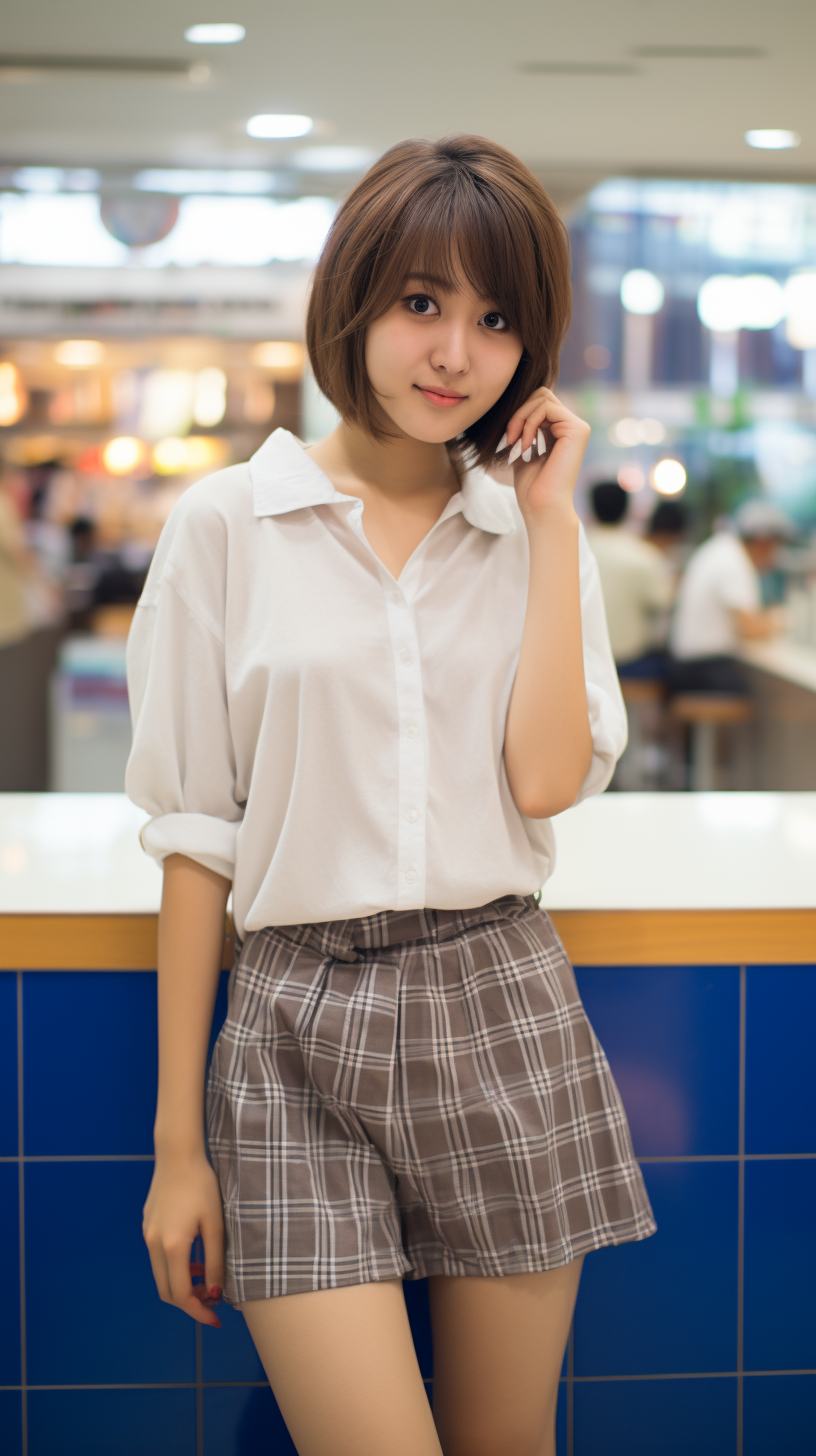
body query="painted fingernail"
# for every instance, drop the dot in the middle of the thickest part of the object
(502, 442)
(527, 455)
(215, 1292)
(514, 453)
(542, 444)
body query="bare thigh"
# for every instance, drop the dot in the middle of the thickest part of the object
(343, 1369)
(498, 1348)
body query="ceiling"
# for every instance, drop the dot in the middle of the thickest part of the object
(601, 102)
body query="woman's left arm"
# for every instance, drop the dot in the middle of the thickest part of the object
(548, 741)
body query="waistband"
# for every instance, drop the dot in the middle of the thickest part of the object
(343, 938)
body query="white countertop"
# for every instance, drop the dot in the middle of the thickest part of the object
(793, 661)
(79, 853)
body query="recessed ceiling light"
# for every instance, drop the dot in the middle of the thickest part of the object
(214, 34)
(773, 140)
(277, 125)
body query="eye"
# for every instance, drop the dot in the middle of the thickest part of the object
(421, 298)
(490, 320)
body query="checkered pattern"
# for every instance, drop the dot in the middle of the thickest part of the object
(415, 1092)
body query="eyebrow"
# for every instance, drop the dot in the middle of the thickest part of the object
(427, 278)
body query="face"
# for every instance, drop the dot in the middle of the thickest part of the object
(437, 361)
(762, 551)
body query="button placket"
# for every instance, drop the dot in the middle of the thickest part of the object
(412, 755)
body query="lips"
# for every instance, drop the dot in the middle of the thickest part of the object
(441, 396)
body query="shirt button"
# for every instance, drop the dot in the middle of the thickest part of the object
(411, 815)
(411, 876)
(406, 658)
(411, 730)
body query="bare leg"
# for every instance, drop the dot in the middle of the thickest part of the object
(343, 1369)
(498, 1347)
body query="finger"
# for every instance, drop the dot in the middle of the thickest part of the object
(158, 1264)
(181, 1285)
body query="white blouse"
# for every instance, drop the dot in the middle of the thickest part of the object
(325, 735)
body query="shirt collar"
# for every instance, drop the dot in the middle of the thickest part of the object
(285, 478)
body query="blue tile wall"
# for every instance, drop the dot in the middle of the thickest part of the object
(111, 1422)
(94, 1314)
(780, 1415)
(640, 1305)
(657, 1418)
(8, 1064)
(10, 1369)
(671, 1035)
(780, 1266)
(780, 1100)
(646, 1311)
(90, 1054)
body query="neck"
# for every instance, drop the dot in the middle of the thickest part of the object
(398, 467)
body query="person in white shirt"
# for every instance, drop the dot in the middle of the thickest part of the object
(719, 603)
(364, 676)
(637, 583)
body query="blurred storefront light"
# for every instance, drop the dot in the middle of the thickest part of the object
(800, 302)
(629, 432)
(203, 180)
(175, 456)
(726, 303)
(79, 353)
(167, 403)
(275, 124)
(123, 455)
(61, 230)
(279, 355)
(668, 477)
(641, 291)
(209, 397)
(13, 394)
(772, 139)
(222, 33)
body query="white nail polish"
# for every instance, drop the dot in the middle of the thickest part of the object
(528, 455)
(541, 442)
(514, 453)
(502, 442)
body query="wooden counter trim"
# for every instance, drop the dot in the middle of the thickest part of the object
(591, 937)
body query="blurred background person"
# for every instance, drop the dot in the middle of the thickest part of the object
(719, 602)
(637, 581)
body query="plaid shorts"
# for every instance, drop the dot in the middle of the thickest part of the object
(410, 1093)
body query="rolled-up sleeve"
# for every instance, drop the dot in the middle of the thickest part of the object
(607, 711)
(181, 767)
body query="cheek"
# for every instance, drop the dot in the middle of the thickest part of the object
(387, 349)
(503, 365)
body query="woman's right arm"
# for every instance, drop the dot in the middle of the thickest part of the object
(184, 1197)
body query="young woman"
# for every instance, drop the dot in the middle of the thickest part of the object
(364, 676)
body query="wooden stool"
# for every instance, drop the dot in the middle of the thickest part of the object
(638, 767)
(704, 713)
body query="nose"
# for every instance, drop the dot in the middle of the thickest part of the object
(450, 349)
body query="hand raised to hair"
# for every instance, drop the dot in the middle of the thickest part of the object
(546, 481)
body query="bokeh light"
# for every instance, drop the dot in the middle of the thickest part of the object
(79, 353)
(641, 291)
(668, 477)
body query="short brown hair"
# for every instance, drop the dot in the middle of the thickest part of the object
(420, 206)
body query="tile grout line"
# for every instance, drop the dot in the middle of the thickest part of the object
(21, 1215)
(741, 1208)
(571, 1388)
